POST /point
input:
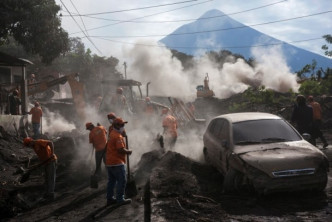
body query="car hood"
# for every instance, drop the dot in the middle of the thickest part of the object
(276, 157)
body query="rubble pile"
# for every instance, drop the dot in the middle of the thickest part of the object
(182, 189)
(15, 159)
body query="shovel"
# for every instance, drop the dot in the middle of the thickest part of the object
(25, 177)
(93, 177)
(131, 189)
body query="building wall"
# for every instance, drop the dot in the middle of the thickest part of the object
(10, 74)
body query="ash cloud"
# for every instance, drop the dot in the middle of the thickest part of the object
(169, 78)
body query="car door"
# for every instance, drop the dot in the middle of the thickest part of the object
(224, 145)
(213, 142)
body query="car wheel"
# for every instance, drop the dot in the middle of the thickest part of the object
(233, 181)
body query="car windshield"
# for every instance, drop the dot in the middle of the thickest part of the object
(263, 131)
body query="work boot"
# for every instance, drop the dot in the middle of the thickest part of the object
(111, 202)
(124, 201)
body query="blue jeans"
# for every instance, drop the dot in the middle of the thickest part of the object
(116, 179)
(35, 129)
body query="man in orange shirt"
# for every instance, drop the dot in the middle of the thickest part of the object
(317, 121)
(97, 137)
(45, 152)
(170, 128)
(36, 113)
(116, 154)
(119, 103)
(149, 109)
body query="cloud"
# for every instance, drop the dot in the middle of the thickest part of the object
(275, 72)
(168, 77)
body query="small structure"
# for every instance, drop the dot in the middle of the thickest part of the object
(13, 75)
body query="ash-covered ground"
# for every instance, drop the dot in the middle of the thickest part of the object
(172, 186)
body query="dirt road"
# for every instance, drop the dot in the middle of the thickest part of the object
(192, 192)
(172, 187)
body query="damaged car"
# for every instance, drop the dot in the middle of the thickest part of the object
(263, 152)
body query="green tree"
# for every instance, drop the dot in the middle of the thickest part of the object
(35, 25)
(328, 39)
(311, 87)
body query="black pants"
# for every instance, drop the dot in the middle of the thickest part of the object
(316, 131)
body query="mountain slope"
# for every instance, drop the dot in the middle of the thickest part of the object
(227, 34)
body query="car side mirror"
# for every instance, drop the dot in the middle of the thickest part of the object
(225, 144)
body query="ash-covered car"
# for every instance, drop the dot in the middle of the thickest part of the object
(264, 152)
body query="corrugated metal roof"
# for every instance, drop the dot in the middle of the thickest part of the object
(8, 60)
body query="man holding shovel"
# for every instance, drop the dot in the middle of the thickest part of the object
(97, 137)
(116, 154)
(45, 152)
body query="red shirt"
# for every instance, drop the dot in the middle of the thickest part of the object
(317, 110)
(36, 113)
(115, 143)
(43, 150)
(170, 123)
(98, 138)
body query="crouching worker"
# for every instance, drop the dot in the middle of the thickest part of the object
(116, 154)
(45, 152)
(98, 139)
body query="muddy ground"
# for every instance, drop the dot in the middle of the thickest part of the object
(171, 187)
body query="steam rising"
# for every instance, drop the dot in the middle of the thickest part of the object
(169, 79)
(54, 123)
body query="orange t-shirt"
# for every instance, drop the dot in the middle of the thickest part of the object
(149, 109)
(317, 110)
(98, 137)
(113, 156)
(36, 113)
(171, 125)
(43, 150)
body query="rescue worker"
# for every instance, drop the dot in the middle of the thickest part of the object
(149, 109)
(317, 121)
(32, 79)
(45, 152)
(14, 103)
(119, 102)
(115, 162)
(98, 138)
(303, 116)
(111, 117)
(170, 126)
(97, 102)
(36, 114)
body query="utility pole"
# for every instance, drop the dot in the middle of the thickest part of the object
(125, 67)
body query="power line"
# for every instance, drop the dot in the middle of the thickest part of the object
(135, 9)
(104, 26)
(187, 20)
(80, 17)
(224, 47)
(81, 29)
(216, 30)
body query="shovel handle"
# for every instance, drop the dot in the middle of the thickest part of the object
(128, 165)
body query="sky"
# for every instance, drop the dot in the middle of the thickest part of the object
(121, 24)
(130, 31)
